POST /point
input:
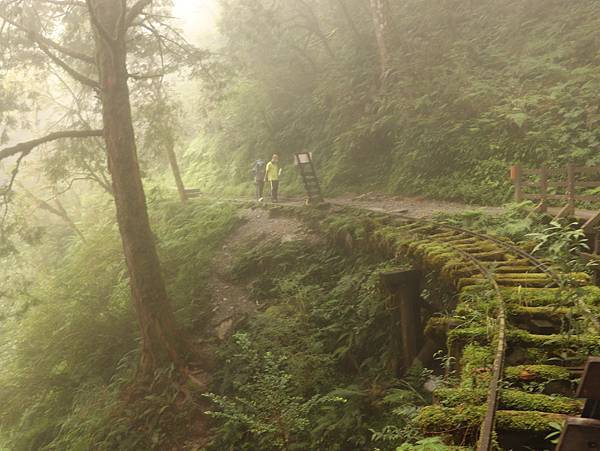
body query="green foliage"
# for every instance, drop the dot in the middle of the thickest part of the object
(427, 444)
(267, 412)
(472, 88)
(312, 370)
(558, 241)
(515, 222)
(68, 359)
(561, 242)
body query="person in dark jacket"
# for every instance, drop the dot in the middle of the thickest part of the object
(258, 170)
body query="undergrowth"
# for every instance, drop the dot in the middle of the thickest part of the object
(312, 369)
(69, 359)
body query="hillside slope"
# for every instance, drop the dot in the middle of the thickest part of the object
(472, 87)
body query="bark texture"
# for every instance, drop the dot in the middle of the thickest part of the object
(379, 11)
(162, 343)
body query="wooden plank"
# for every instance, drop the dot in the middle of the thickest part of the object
(543, 207)
(579, 434)
(193, 192)
(565, 212)
(516, 177)
(587, 169)
(589, 197)
(590, 257)
(538, 171)
(536, 196)
(557, 184)
(588, 184)
(571, 185)
(591, 224)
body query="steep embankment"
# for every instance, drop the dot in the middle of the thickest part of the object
(230, 299)
(472, 88)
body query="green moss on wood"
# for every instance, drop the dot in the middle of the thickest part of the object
(443, 420)
(535, 423)
(510, 399)
(518, 337)
(537, 373)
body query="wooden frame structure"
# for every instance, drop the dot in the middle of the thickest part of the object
(567, 179)
(580, 434)
(304, 162)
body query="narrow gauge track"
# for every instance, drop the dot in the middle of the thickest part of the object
(537, 387)
(506, 265)
(467, 244)
(486, 433)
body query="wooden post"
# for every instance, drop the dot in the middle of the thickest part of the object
(569, 209)
(596, 251)
(543, 207)
(405, 288)
(571, 187)
(584, 433)
(516, 176)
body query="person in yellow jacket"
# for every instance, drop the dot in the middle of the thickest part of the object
(272, 173)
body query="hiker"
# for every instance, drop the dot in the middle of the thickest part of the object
(258, 170)
(272, 173)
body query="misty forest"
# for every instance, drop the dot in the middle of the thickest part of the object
(299, 225)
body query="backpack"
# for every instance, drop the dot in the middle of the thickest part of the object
(259, 169)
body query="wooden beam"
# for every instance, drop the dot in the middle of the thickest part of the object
(405, 288)
(516, 176)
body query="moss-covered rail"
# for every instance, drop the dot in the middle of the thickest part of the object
(490, 275)
(518, 336)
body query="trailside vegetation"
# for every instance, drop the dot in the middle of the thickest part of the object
(313, 369)
(70, 342)
(464, 90)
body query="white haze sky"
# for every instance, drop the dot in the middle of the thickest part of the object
(198, 19)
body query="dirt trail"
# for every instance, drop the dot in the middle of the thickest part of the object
(417, 207)
(230, 298)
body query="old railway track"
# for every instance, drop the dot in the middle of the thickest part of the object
(535, 318)
(519, 335)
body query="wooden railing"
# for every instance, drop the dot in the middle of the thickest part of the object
(535, 184)
(559, 184)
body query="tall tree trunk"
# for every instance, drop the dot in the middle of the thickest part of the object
(379, 11)
(170, 147)
(162, 342)
(358, 39)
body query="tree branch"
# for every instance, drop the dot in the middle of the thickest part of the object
(146, 76)
(42, 40)
(60, 48)
(135, 11)
(13, 176)
(65, 3)
(26, 147)
(59, 210)
(72, 72)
